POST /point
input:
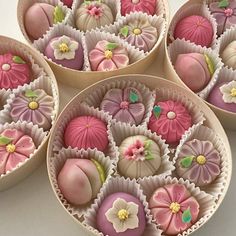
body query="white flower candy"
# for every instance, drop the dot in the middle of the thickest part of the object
(229, 92)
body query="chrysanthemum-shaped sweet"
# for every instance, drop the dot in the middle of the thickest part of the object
(139, 156)
(224, 13)
(173, 208)
(15, 147)
(121, 214)
(65, 51)
(197, 29)
(139, 33)
(92, 14)
(14, 71)
(199, 162)
(33, 106)
(107, 56)
(170, 119)
(124, 105)
(86, 132)
(146, 6)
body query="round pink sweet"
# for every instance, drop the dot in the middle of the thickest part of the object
(172, 122)
(13, 72)
(193, 70)
(196, 29)
(107, 228)
(76, 63)
(38, 19)
(146, 6)
(86, 132)
(68, 3)
(216, 98)
(160, 204)
(21, 146)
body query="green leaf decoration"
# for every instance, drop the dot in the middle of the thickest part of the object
(124, 31)
(147, 146)
(18, 60)
(111, 46)
(187, 216)
(148, 156)
(210, 64)
(5, 140)
(59, 15)
(30, 94)
(133, 97)
(100, 170)
(223, 4)
(186, 162)
(157, 111)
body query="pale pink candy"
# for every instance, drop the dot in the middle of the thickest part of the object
(99, 62)
(24, 146)
(117, 103)
(13, 74)
(171, 129)
(146, 6)
(41, 116)
(160, 202)
(196, 29)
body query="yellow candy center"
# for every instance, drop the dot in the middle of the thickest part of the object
(233, 92)
(33, 105)
(137, 31)
(10, 148)
(175, 207)
(123, 214)
(201, 160)
(108, 54)
(63, 47)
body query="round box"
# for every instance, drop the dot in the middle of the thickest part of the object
(226, 118)
(151, 82)
(82, 79)
(18, 174)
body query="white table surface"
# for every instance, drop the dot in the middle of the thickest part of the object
(31, 209)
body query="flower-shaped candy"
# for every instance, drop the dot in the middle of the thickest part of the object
(173, 208)
(107, 56)
(199, 162)
(124, 105)
(229, 92)
(14, 71)
(170, 119)
(15, 147)
(33, 106)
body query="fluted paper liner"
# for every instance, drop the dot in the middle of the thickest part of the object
(76, 110)
(60, 30)
(93, 37)
(207, 202)
(204, 133)
(4, 95)
(38, 136)
(182, 47)
(194, 9)
(24, 6)
(122, 131)
(114, 5)
(120, 185)
(42, 82)
(58, 161)
(156, 21)
(95, 98)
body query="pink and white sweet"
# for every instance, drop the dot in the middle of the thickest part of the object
(108, 56)
(199, 162)
(15, 148)
(33, 106)
(86, 132)
(174, 209)
(139, 33)
(14, 71)
(170, 119)
(147, 6)
(125, 105)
